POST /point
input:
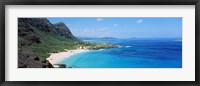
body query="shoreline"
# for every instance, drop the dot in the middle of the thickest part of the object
(55, 58)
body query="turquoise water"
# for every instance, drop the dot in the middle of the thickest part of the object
(133, 53)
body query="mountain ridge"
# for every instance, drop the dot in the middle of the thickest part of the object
(37, 37)
(63, 30)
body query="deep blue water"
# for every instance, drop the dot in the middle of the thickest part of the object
(133, 53)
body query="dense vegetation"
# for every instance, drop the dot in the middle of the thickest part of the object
(37, 37)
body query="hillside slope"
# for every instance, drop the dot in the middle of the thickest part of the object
(63, 30)
(37, 37)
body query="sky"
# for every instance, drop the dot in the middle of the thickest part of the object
(123, 27)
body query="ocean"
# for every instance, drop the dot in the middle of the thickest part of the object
(132, 53)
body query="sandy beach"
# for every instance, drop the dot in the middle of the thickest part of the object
(55, 58)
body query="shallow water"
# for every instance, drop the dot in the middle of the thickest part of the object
(134, 53)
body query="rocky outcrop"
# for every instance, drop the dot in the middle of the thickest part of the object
(59, 65)
(29, 59)
(30, 63)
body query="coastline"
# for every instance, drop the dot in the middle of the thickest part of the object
(55, 58)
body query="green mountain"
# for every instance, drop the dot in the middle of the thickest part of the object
(37, 37)
(63, 30)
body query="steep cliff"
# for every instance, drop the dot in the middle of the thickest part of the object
(37, 37)
(63, 30)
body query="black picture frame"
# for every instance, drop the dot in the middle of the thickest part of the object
(99, 2)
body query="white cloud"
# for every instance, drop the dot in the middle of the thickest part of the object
(139, 21)
(115, 25)
(100, 19)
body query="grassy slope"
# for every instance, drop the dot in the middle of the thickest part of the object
(50, 43)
